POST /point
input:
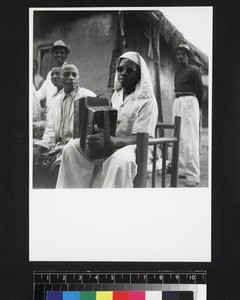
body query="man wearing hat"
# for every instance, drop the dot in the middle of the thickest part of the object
(187, 105)
(59, 127)
(60, 52)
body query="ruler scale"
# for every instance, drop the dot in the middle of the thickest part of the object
(161, 285)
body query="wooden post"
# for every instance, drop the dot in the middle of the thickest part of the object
(140, 180)
(175, 152)
(164, 150)
(154, 160)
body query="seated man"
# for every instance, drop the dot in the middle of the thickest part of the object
(137, 112)
(56, 81)
(39, 125)
(59, 128)
(36, 107)
(37, 78)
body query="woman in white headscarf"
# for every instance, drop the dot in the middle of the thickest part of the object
(137, 112)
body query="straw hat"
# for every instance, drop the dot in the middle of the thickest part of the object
(60, 43)
(184, 47)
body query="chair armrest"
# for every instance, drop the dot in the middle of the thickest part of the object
(162, 140)
(161, 125)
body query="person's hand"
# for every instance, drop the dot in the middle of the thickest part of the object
(38, 133)
(96, 141)
(37, 152)
(38, 129)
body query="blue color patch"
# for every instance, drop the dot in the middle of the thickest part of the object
(71, 295)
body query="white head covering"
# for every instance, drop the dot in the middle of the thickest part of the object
(144, 88)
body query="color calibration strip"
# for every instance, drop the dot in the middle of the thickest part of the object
(161, 285)
(121, 295)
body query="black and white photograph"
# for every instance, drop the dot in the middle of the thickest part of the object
(124, 104)
(120, 150)
(159, 136)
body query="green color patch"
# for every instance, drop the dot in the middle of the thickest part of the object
(91, 295)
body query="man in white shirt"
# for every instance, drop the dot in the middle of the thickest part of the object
(36, 106)
(59, 127)
(60, 52)
(39, 123)
(56, 81)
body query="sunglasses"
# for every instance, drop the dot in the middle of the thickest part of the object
(128, 70)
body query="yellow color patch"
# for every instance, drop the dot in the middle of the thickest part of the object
(104, 295)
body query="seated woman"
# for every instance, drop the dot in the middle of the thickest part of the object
(137, 112)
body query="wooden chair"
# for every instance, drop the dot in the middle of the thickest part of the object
(143, 141)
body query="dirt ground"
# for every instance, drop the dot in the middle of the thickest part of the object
(203, 166)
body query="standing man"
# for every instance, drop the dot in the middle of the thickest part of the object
(60, 52)
(59, 127)
(187, 105)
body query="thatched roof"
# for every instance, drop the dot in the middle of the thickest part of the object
(167, 30)
(172, 36)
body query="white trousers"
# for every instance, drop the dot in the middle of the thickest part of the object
(77, 171)
(187, 108)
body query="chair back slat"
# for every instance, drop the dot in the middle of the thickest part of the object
(154, 165)
(161, 141)
(175, 152)
(140, 180)
(164, 126)
(142, 154)
(164, 155)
